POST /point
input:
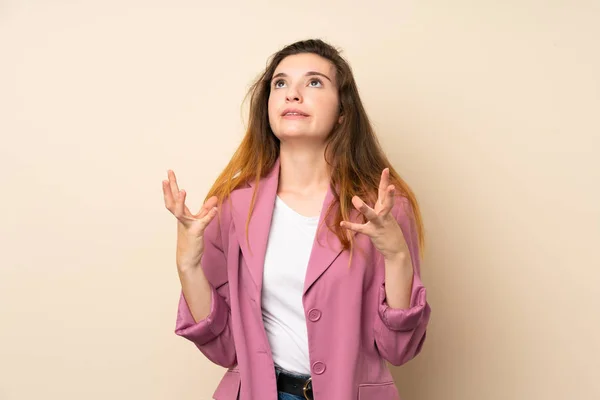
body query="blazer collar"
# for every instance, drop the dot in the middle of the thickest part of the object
(326, 246)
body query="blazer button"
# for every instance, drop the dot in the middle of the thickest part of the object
(318, 367)
(314, 315)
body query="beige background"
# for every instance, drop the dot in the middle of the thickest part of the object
(490, 109)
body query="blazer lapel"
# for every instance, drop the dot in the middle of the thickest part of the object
(326, 246)
(254, 249)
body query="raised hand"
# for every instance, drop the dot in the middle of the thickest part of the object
(190, 227)
(381, 226)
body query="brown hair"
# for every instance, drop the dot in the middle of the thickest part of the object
(353, 151)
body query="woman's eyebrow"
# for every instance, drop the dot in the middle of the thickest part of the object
(309, 73)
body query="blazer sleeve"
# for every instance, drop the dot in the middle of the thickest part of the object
(400, 333)
(213, 335)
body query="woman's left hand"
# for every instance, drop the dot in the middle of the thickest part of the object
(381, 225)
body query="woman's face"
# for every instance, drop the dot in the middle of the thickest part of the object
(304, 101)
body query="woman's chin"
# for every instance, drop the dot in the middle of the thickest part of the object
(290, 134)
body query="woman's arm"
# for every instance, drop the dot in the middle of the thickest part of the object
(209, 328)
(401, 325)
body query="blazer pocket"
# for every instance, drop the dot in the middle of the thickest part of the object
(378, 391)
(229, 387)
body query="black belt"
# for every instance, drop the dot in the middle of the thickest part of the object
(295, 385)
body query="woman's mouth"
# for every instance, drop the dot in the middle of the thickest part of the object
(294, 115)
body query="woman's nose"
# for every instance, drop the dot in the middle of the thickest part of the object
(293, 94)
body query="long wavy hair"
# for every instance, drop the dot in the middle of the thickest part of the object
(353, 152)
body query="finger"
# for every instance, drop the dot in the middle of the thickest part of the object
(359, 228)
(170, 201)
(173, 183)
(209, 217)
(211, 203)
(384, 182)
(364, 209)
(168, 196)
(179, 204)
(205, 220)
(389, 200)
(207, 206)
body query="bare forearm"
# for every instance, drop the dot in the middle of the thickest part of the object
(196, 290)
(398, 281)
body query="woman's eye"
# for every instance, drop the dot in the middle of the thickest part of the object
(313, 83)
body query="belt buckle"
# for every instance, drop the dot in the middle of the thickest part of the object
(305, 388)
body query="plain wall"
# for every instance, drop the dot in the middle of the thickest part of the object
(489, 109)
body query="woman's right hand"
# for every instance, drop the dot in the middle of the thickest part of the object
(190, 227)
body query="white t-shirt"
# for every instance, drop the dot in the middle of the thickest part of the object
(288, 250)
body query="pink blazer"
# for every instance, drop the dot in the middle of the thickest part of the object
(351, 328)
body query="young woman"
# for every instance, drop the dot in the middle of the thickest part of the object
(301, 272)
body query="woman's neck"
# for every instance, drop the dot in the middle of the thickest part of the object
(303, 171)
